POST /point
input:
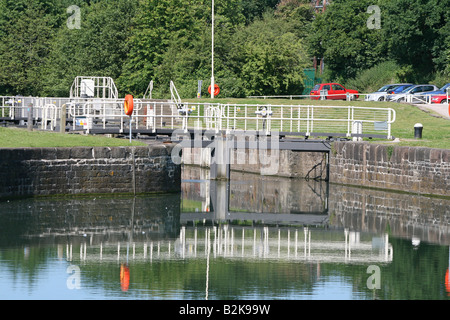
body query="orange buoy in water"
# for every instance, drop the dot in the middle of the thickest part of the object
(216, 90)
(124, 277)
(128, 105)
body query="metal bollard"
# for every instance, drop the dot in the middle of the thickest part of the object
(418, 128)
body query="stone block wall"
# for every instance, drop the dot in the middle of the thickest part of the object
(88, 170)
(410, 169)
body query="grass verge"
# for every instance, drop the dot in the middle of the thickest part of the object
(21, 138)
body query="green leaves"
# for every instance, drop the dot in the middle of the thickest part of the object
(270, 57)
(263, 56)
(27, 31)
(259, 45)
(99, 48)
(414, 33)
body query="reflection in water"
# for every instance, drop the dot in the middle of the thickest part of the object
(124, 277)
(225, 241)
(252, 238)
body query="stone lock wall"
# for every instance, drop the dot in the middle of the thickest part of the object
(385, 166)
(88, 170)
(408, 169)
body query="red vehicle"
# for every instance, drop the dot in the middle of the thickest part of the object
(439, 99)
(334, 91)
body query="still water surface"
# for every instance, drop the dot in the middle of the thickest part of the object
(253, 238)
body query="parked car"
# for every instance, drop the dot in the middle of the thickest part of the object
(442, 90)
(333, 91)
(380, 94)
(416, 90)
(439, 99)
(399, 89)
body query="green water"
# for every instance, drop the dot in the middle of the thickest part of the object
(151, 248)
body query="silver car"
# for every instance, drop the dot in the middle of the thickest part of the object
(380, 94)
(415, 91)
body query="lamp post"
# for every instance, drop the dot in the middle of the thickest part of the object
(212, 52)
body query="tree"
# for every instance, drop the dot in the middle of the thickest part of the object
(27, 31)
(172, 41)
(269, 57)
(98, 48)
(341, 37)
(159, 24)
(415, 33)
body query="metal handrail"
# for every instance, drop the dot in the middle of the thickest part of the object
(304, 119)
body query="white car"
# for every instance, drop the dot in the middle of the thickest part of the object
(380, 94)
(416, 90)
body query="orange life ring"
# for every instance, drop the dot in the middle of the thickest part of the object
(128, 105)
(216, 90)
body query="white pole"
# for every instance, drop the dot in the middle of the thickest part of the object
(130, 128)
(448, 90)
(212, 52)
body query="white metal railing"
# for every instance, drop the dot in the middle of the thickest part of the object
(346, 120)
(408, 98)
(175, 97)
(322, 96)
(94, 87)
(149, 90)
(151, 115)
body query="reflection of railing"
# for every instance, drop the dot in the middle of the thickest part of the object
(245, 243)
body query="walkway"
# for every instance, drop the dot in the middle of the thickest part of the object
(443, 110)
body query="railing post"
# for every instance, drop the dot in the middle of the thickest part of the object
(12, 110)
(307, 120)
(30, 117)
(62, 125)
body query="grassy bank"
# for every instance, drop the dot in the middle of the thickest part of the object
(436, 132)
(21, 138)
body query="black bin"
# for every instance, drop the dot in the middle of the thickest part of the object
(418, 128)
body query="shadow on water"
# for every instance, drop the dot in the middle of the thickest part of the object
(251, 238)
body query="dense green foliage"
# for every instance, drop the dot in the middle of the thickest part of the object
(261, 46)
(413, 34)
